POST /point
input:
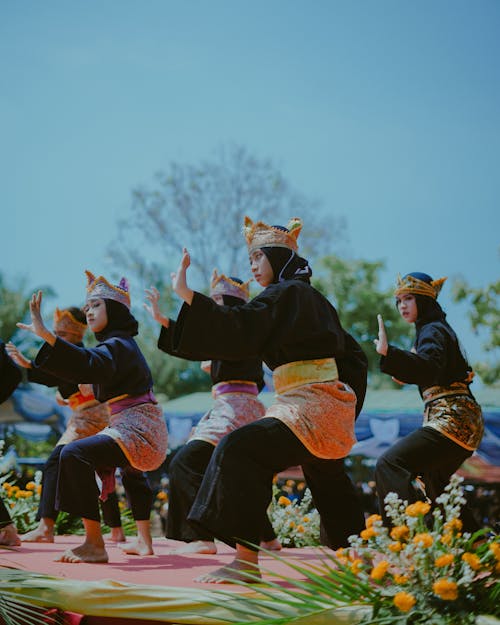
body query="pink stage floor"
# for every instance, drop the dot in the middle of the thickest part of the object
(175, 573)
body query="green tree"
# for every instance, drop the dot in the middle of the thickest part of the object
(353, 287)
(484, 315)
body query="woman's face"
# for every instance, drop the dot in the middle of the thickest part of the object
(407, 306)
(261, 268)
(97, 316)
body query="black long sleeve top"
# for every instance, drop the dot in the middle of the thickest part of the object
(10, 375)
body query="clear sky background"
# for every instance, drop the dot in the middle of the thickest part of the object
(386, 111)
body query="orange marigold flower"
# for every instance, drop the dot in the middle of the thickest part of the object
(19, 494)
(30, 486)
(419, 508)
(445, 589)
(301, 486)
(301, 528)
(395, 547)
(495, 549)
(368, 533)
(306, 519)
(12, 504)
(453, 525)
(6, 486)
(284, 501)
(14, 489)
(444, 560)
(162, 495)
(275, 478)
(38, 489)
(404, 601)
(291, 524)
(380, 570)
(423, 539)
(372, 518)
(339, 552)
(472, 560)
(401, 579)
(400, 532)
(290, 483)
(446, 539)
(356, 566)
(27, 494)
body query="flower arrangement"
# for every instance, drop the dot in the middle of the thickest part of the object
(295, 522)
(22, 503)
(424, 569)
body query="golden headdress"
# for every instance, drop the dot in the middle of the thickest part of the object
(410, 284)
(65, 322)
(258, 234)
(100, 288)
(222, 285)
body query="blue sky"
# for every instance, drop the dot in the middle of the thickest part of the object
(386, 111)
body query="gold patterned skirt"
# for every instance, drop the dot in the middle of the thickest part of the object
(452, 411)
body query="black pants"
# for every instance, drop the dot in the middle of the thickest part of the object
(237, 487)
(77, 490)
(185, 474)
(47, 507)
(4, 515)
(426, 453)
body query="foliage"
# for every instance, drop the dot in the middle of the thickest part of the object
(484, 314)
(353, 286)
(295, 522)
(22, 503)
(202, 206)
(422, 570)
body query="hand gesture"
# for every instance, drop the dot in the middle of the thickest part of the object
(19, 358)
(37, 325)
(179, 281)
(153, 297)
(381, 344)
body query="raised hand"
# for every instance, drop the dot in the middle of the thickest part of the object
(381, 344)
(179, 280)
(37, 325)
(153, 297)
(18, 357)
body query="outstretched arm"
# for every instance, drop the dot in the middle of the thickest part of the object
(381, 344)
(37, 325)
(18, 357)
(179, 280)
(153, 297)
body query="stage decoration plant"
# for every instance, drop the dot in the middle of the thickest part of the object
(296, 523)
(424, 570)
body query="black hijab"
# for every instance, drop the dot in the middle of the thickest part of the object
(120, 321)
(287, 264)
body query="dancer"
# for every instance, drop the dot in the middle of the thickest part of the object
(236, 385)
(453, 422)
(10, 376)
(297, 333)
(136, 438)
(88, 417)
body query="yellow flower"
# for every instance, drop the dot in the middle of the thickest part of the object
(495, 548)
(472, 560)
(30, 486)
(356, 566)
(7, 486)
(306, 519)
(419, 508)
(372, 518)
(395, 547)
(12, 504)
(291, 524)
(284, 501)
(14, 489)
(27, 494)
(423, 539)
(404, 601)
(446, 539)
(444, 560)
(400, 579)
(445, 589)
(162, 495)
(400, 532)
(19, 494)
(301, 528)
(380, 570)
(368, 533)
(453, 524)
(38, 489)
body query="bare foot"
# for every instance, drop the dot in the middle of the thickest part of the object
(38, 535)
(271, 545)
(232, 574)
(197, 546)
(139, 547)
(84, 553)
(117, 535)
(9, 536)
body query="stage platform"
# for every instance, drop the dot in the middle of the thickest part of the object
(135, 590)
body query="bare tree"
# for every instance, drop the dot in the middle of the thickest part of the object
(202, 206)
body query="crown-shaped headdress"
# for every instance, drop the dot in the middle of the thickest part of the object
(222, 285)
(410, 284)
(65, 322)
(258, 234)
(101, 288)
